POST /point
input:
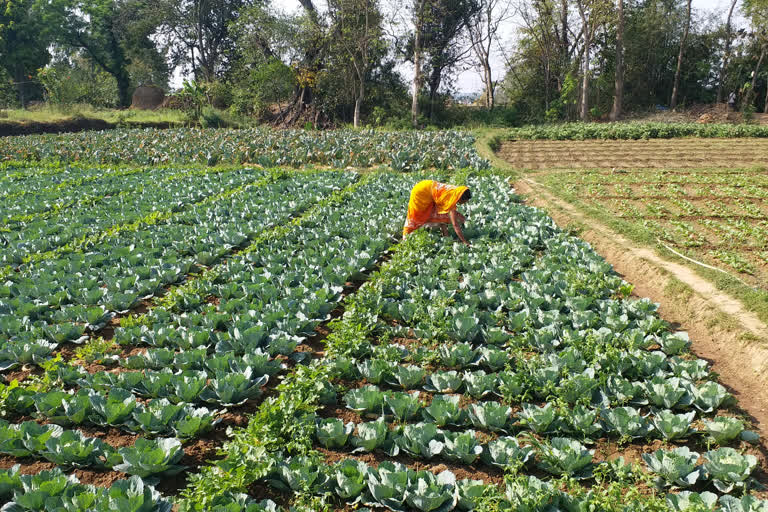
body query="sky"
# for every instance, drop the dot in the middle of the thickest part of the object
(470, 81)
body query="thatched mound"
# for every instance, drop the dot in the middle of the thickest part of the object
(147, 97)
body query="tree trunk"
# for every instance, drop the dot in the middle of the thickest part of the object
(123, 88)
(358, 102)
(20, 85)
(416, 76)
(489, 96)
(750, 97)
(765, 105)
(584, 109)
(724, 64)
(618, 95)
(434, 81)
(676, 85)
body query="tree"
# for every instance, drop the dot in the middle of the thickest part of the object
(683, 40)
(137, 22)
(618, 95)
(591, 13)
(445, 23)
(261, 76)
(24, 43)
(93, 27)
(198, 33)
(757, 13)
(419, 20)
(726, 52)
(540, 75)
(359, 34)
(483, 31)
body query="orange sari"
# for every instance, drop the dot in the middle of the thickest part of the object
(430, 203)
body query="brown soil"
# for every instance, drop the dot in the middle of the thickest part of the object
(29, 466)
(8, 128)
(113, 436)
(654, 153)
(742, 367)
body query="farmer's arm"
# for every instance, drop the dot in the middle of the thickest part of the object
(454, 216)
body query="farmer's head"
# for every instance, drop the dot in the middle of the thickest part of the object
(466, 196)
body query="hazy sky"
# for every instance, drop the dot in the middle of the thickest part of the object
(470, 81)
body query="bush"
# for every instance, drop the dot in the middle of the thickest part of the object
(220, 95)
(263, 86)
(67, 85)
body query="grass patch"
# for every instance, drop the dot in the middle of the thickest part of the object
(678, 289)
(723, 321)
(487, 143)
(748, 337)
(52, 114)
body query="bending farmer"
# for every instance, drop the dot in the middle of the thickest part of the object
(434, 204)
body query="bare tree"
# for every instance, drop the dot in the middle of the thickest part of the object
(726, 52)
(757, 13)
(358, 26)
(483, 31)
(419, 8)
(618, 95)
(591, 12)
(683, 40)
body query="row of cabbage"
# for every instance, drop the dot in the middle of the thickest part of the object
(390, 483)
(394, 486)
(32, 178)
(55, 218)
(260, 314)
(402, 151)
(226, 351)
(552, 332)
(63, 298)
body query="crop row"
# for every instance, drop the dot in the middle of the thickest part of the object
(734, 180)
(124, 201)
(526, 314)
(32, 178)
(121, 269)
(391, 485)
(269, 297)
(402, 151)
(563, 317)
(581, 131)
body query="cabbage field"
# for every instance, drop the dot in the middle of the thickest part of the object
(230, 338)
(402, 151)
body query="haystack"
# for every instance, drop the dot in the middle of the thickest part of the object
(147, 97)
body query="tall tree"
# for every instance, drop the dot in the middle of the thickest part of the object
(359, 34)
(756, 12)
(683, 40)
(446, 22)
(723, 75)
(24, 43)
(92, 26)
(419, 20)
(591, 13)
(198, 33)
(483, 29)
(618, 94)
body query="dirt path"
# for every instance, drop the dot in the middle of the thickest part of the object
(742, 366)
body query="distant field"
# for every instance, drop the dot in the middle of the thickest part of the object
(653, 153)
(719, 217)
